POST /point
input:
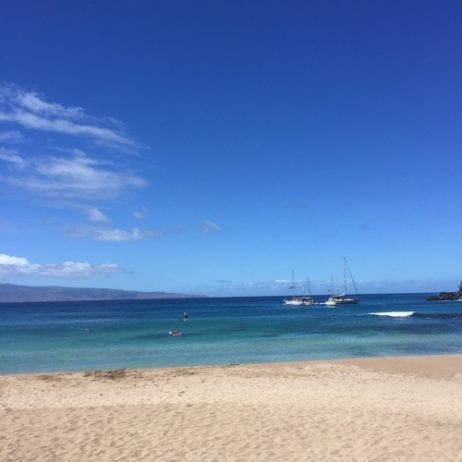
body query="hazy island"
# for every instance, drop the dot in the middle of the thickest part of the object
(447, 296)
(12, 293)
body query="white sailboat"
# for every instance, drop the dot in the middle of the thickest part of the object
(294, 301)
(344, 299)
(308, 299)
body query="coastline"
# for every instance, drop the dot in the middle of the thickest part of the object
(387, 408)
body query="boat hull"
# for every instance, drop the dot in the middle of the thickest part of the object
(306, 301)
(293, 302)
(335, 301)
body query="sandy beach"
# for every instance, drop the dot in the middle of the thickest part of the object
(407, 408)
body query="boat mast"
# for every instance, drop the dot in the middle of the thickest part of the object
(308, 285)
(344, 276)
(331, 288)
(347, 268)
(293, 281)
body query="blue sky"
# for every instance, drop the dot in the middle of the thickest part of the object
(212, 147)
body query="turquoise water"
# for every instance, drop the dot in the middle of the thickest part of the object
(39, 337)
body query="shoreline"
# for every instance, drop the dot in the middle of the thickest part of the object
(387, 408)
(406, 360)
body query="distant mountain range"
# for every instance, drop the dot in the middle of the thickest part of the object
(11, 293)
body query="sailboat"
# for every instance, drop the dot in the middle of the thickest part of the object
(308, 299)
(344, 299)
(295, 301)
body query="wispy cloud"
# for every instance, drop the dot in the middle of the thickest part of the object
(13, 266)
(208, 226)
(118, 235)
(112, 234)
(96, 216)
(33, 102)
(227, 287)
(70, 177)
(11, 136)
(141, 214)
(11, 156)
(30, 110)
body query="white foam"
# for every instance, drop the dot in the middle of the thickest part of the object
(394, 314)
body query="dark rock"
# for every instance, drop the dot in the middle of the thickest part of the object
(447, 296)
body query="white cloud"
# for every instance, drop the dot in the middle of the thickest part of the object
(208, 226)
(96, 216)
(11, 136)
(31, 111)
(32, 121)
(141, 213)
(8, 260)
(12, 266)
(118, 235)
(32, 102)
(68, 177)
(112, 234)
(11, 156)
(78, 176)
(79, 269)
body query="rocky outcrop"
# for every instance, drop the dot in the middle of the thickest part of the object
(447, 296)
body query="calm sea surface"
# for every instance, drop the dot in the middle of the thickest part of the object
(36, 337)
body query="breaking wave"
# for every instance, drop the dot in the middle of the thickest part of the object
(394, 314)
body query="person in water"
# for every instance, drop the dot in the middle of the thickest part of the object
(185, 316)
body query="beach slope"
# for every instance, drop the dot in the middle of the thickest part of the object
(383, 409)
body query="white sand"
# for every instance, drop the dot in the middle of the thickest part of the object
(388, 409)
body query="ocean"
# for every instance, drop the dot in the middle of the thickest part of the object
(76, 336)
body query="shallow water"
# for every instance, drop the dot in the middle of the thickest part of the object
(74, 336)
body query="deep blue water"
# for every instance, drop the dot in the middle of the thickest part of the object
(74, 336)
